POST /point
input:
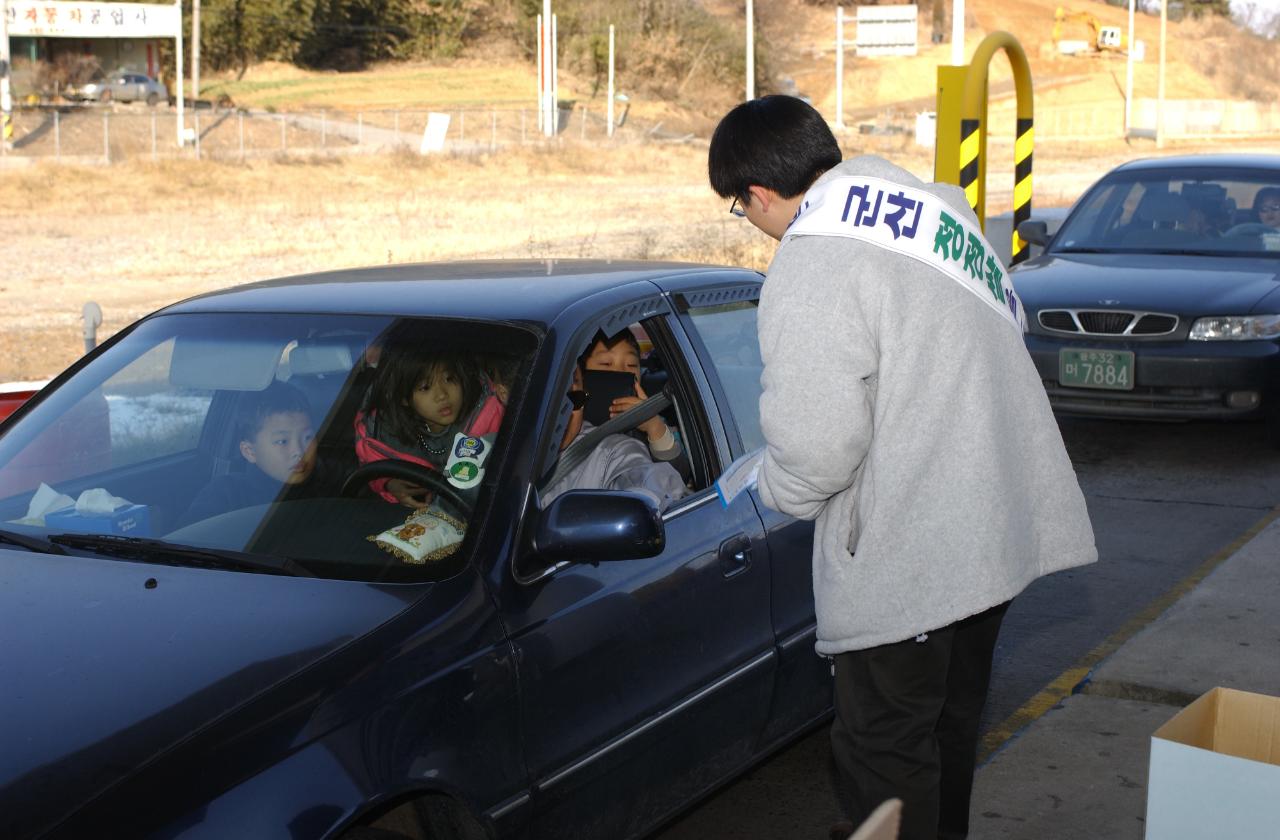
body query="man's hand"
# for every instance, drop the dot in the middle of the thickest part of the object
(654, 428)
(409, 495)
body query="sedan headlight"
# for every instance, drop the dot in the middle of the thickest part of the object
(1236, 328)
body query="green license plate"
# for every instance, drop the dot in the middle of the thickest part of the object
(1109, 369)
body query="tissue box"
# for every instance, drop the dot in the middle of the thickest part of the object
(1215, 769)
(129, 521)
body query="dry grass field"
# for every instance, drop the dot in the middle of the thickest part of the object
(136, 236)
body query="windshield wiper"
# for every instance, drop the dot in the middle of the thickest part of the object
(30, 542)
(1083, 251)
(159, 551)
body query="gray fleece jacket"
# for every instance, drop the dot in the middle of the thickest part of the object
(905, 416)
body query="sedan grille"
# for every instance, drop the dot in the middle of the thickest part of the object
(1107, 322)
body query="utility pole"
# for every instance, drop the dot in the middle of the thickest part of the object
(182, 129)
(751, 50)
(839, 67)
(610, 107)
(6, 101)
(1128, 75)
(1164, 19)
(195, 49)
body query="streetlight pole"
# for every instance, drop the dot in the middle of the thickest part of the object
(1164, 18)
(195, 49)
(1128, 75)
(751, 50)
(839, 67)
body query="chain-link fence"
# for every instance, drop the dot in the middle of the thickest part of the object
(102, 133)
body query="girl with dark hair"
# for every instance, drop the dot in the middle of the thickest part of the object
(422, 406)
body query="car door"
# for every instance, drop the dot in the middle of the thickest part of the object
(722, 325)
(644, 682)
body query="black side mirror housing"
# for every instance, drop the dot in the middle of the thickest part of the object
(599, 525)
(1035, 232)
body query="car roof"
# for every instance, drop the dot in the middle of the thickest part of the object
(528, 290)
(1215, 161)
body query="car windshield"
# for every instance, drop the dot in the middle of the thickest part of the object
(355, 447)
(1227, 212)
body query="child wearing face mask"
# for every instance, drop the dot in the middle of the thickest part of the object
(433, 409)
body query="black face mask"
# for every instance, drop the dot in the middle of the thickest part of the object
(603, 387)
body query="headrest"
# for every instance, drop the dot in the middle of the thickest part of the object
(311, 359)
(1163, 208)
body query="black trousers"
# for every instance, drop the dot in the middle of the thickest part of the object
(906, 725)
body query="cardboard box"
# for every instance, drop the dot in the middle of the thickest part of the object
(129, 521)
(1215, 770)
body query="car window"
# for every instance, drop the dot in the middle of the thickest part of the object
(238, 432)
(728, 331)
(1209, 210)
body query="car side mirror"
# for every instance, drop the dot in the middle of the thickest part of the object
(1035, 232)
(597, 525)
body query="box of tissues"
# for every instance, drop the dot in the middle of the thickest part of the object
(98, 512)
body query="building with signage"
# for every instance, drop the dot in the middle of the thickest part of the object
(121, 36)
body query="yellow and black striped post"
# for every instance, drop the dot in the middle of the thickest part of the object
(6, 128)
(1022, 148)
(971, 135)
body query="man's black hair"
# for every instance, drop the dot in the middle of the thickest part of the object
(257, 406)
(779, 142)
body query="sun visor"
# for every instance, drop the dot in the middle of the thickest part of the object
(245, 364)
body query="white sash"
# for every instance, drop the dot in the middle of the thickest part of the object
(911, 222)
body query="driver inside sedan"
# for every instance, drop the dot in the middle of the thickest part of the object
(618, 462)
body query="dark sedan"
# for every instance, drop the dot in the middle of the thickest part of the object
(180, 663)
(1159, 297)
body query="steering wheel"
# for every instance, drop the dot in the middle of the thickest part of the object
(433, 480)
(1249, 229)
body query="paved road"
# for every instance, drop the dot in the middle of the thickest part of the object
(1163, 497)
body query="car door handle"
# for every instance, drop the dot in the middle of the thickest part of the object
(735, 555)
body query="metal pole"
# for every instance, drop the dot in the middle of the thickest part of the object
(1164, 21)
(555, 77)
(839, 66)
(178, 37)
(610, 117)
(751, 50)
(195, 49)
(6, 100)
(1128, 75)
(542, 101)
(957, 32)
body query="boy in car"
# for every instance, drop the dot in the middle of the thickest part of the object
(276, 442)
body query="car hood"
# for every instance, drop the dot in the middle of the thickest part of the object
(1180, 285)
(107, 663)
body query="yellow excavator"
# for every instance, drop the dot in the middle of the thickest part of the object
(1102, 39)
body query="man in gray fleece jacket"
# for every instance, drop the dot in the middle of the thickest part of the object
(903, 414)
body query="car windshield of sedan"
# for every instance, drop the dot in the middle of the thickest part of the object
(1215, 212)
(355, 447)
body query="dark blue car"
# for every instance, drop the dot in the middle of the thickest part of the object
(1159, 297)
(181, 663)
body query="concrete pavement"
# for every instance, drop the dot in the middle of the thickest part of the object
(1078, 768)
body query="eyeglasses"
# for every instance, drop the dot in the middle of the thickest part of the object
(578, 398)
(735, 209)
(1269, 208)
